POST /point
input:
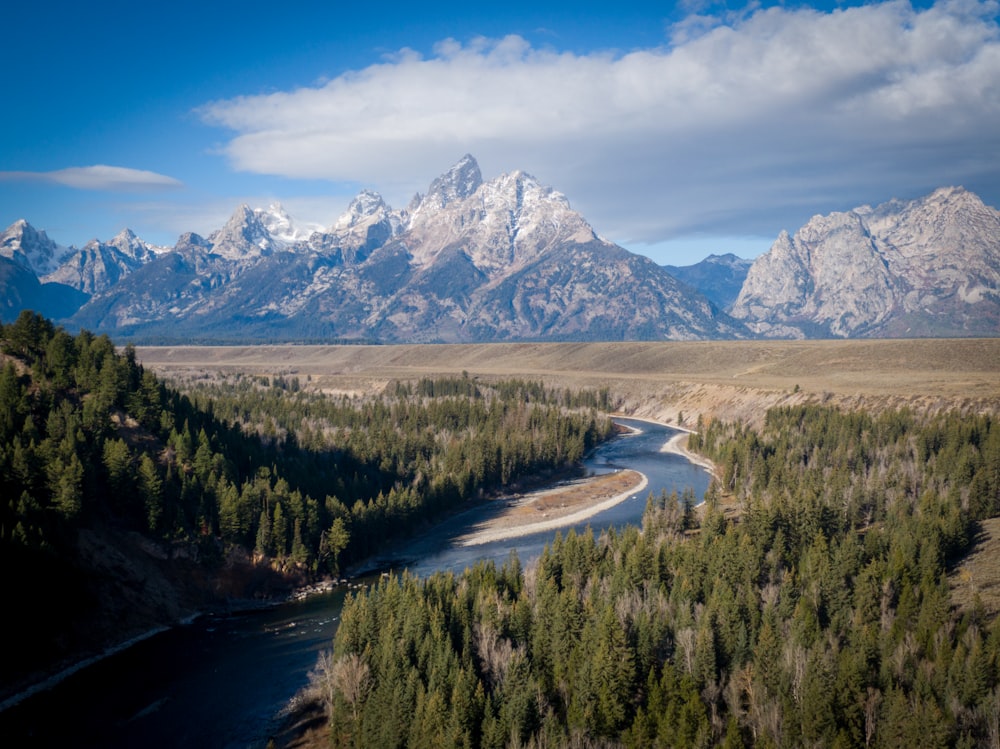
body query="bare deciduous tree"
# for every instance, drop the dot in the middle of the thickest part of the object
(348, 676)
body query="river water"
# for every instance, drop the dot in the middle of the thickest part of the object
(221, 681)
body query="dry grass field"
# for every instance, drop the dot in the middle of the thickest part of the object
(978, 576)
(725, 379)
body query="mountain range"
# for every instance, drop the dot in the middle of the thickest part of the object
(509, 259)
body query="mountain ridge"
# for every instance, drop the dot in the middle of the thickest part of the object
(470, 260)
(928, 266)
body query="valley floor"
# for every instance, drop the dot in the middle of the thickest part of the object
(672, 382)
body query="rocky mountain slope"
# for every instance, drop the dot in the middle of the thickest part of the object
(471, 260)
(100, 265)
(925, 267)
(718, 277)
(32, 249)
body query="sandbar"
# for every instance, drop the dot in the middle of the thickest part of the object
(561, 507)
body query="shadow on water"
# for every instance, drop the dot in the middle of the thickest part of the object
(221, 682)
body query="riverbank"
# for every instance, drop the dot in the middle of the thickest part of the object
(565, 506)
(731, 508)
(677, 445)
(54, 679)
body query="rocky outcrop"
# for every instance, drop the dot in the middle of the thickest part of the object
(98, 265)
(927, 267)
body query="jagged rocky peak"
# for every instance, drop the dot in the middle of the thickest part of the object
(366, 204)
(367, 224)
(242, 219)
(31, 248)
(189, 241)
(98, 265)
(536, 214)
(244, 235)
(523, 194)
(499, 225)
(950, 217)
(458, 183)
(130, 245)
(281, 227)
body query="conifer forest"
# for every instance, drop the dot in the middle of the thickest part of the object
(821, 617)
(809, 601)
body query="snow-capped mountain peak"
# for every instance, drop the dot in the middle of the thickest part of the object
(31, 248)
(367, 223)
(282, 227)
(244, 235)
(458, 183)
(366, 204)
(502, 224)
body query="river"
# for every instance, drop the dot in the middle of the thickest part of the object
(220, 682)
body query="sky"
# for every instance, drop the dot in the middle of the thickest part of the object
(677, 130)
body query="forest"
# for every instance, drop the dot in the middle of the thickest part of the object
(820, 616)
(297, 480)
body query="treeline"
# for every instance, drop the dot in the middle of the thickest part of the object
(822, 617)
(88, 436)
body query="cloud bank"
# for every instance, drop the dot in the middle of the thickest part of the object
(738, 126)
(99, 177)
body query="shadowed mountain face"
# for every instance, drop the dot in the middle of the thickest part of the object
(719, 277)
(926, 267)
(506, 259)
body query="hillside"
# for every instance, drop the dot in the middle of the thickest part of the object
(148, 505)
(718, 277)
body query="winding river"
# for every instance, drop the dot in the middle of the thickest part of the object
(221, 682)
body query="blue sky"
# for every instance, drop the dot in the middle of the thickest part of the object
(676, 129)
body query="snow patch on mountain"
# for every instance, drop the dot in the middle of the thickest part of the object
(283, 230)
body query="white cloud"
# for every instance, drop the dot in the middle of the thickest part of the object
(99, 177)
(741, 125)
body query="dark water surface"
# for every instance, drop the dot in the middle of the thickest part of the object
(221, 682)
